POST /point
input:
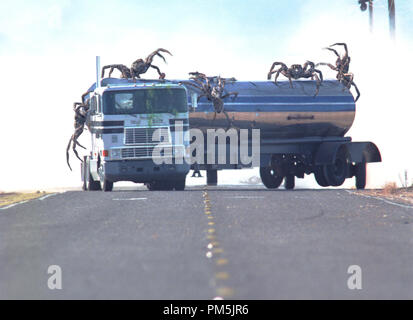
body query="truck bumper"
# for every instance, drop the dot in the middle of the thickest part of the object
(141, 171)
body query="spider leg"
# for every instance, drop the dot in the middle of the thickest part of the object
(67, 152)
(194, 85)
(320, 74)
(272, 71)
(235, 94)
(327, 64)
(103, 71)
(228, 119)
(77, 142)
(350, 77)
(318, 82)
(357, 91)
(150, 57)
(307, 64)
(161, 75)
(197, 74)
(111, 71)
(276, 76)
(84, 96)
(76, 135)
(341, 44)
(291, 82)
(75, 152)
(200, 96)
(332, 50)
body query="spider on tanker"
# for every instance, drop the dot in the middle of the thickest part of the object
(297, 71)
(342, 67)
(213, 88)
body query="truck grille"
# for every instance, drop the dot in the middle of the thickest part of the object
(144, 135)
(143, 152)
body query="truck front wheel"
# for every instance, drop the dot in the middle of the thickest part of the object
(91, 184)
(106, 185)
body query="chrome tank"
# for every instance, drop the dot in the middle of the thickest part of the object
(281, 112)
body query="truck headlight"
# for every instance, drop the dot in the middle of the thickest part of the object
(115, 153)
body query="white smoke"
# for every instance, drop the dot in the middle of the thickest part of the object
(384, 112)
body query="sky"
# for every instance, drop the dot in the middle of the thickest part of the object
(48, 49)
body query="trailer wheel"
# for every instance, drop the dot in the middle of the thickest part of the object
(337, 172)
(212, 177)
(269, 178)
(179, 185)
(360, 173)
(289, 182)
(319, 176)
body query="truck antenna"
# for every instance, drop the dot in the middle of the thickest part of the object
(98, 72)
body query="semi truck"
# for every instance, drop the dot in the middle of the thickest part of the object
(127, 121)
(300, 133)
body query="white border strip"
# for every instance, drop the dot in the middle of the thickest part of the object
(14, 204)
(24, 201)
(406, 206)
(129, 199)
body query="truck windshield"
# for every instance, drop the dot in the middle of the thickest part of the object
(150, 100)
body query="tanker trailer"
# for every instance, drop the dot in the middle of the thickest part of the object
(299, 133)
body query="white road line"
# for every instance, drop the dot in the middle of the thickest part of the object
(47, 196)
(246, 197)
(13, 204)
(24, 201)
(129, 199)
(381, 199)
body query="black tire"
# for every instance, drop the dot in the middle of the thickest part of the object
(92, 185)
(289, 182)
(319, 177)
(212, 177)
(337, 172)
(179, 185)
(106, 185)
(83, 171)
(360, 174)
(269, 178)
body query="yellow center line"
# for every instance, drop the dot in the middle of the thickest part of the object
(215, 252)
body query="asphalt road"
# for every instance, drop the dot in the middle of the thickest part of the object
(237, 243)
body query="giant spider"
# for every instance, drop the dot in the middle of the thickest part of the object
(297, 71)
(213, 88)
(81, 109)
(140, 66)
(342, 67)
